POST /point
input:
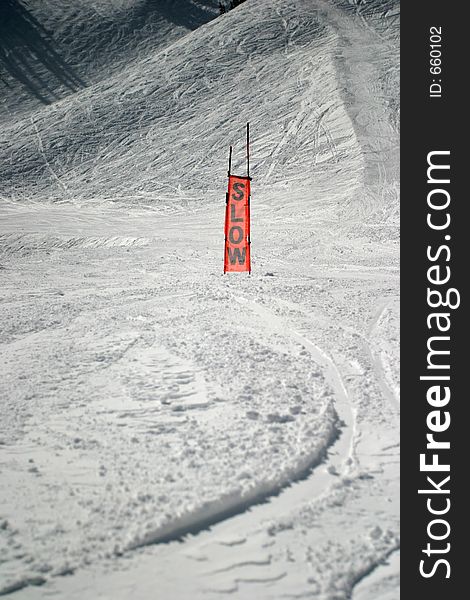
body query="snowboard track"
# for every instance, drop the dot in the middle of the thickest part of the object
(345, 429)
(197, 525)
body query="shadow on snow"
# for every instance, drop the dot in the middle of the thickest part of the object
(28, 54)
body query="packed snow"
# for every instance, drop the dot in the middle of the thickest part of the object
(168, 431)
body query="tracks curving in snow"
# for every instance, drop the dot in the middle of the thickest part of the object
(342, 402)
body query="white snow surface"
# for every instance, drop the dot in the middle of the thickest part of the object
(167, 432)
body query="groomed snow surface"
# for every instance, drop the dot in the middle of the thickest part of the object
(167, 432)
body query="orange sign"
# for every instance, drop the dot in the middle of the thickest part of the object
(237, 225)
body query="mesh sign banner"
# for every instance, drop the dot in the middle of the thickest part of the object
(237, 225)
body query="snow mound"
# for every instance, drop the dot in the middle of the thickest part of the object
(156, 132)
(51, 49)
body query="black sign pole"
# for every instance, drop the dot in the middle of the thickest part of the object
(249, 197)
(248, 149)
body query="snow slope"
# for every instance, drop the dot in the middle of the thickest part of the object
(61, 46)
(145, 397)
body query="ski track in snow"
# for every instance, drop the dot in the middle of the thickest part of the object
(159, 419)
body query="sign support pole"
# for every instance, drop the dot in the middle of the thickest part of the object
(248, 174)
(248, 149)
(226, 197)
